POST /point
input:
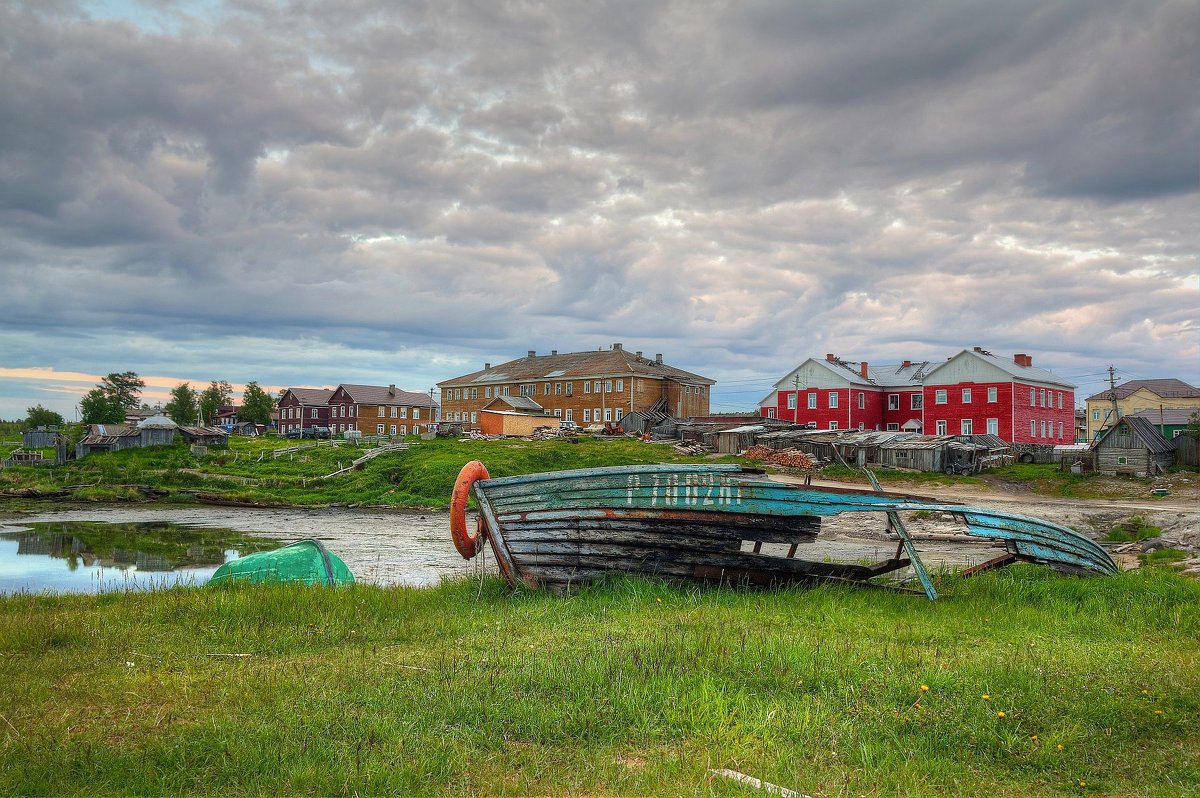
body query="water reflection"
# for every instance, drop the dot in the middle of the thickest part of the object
(93, 557)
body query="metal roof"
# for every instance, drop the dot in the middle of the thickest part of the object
(590, 365)
(1169, 388)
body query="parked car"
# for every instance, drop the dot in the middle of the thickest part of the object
(308, 432)
(568, 426)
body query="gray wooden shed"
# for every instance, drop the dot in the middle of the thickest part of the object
(1133, 446)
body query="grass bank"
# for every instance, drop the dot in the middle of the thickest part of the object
(1020, 682)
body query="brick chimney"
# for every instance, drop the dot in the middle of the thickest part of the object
(533, 353)
(862, 369)
(618, 346)
(906, 364)
(487, 366)
(1023, 360)
(978, 348)
(554, 351)
(831, 357)
(639, 353)
(392, 390)
(658, 358)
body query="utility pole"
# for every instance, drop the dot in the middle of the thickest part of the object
(796, 409)
(1112, 396)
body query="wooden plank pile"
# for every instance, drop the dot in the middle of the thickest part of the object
(790, 458)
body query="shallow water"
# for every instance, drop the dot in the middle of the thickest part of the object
(383, 548)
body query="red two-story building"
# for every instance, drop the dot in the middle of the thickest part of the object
(972, 393)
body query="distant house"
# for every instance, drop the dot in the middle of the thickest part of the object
(205, 436)
(584, 387)
(1133, 446)
(514, 415)
(152, 431)
(1137, 396)
(302, 408)
(974, 392)
(1170, 422)
(379, 410)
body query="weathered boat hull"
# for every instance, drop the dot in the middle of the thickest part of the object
(304, 562)
(709, 523)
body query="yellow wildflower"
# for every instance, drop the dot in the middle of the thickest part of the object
(924, 688)
(987, 697)
(1000, 714)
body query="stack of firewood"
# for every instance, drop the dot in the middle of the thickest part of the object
(789, 458)
(695, 448)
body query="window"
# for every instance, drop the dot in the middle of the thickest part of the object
(833, 400)
(596, 386)
(939, 396)
(505, 389)
(966, 426)
(587, 415)
(861, 426)
(404, 429)
(558, 413)
(1122, 460)
(812, 401)
(1060, 396)
(770, 412)
(1032, 429)
(993, 426)
(569, 384)
(395, 411)
(833, 425)
(618, 413)
(378, 429)
(403, 412)
(380, 411)
(587, 387)
(528, 390)
(966, 396)
(393, 429)
(313, 414)
(862, 400)
(546, 389)
(918, 401)
(1033, 397)
(941, 427)
(1044, 434)
(791, 402)
(608, 386)
(596, 414)
(608, 414)
(620, 385)
(1095, 415)
(558, 389)
(487, 393)
(474, 417)
(893, 401)
(570, 413)
(416, 412)
(992, 397)
(893, 427)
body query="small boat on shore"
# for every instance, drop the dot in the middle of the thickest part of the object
(710, 523)
(305, 561)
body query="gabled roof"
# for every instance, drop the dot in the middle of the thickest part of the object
(1169, 388)
(385, 395)
(522, 403)
(1143, 430)
(1009, 366)
(575, 365)
(311, 396)
(906, 375)
(1170, 416)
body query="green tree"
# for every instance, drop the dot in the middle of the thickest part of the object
(39, 416)
(215, 395)
(257, 404)
(124, 388)
(182, 407)
(98, 407)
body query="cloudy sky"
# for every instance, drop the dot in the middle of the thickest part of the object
(312, 192)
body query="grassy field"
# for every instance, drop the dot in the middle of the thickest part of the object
(1020, 682)
(248, 472)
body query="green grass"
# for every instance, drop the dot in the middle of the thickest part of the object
(629, 688)
(1165, 557)
(246, 472)
(1131, 529)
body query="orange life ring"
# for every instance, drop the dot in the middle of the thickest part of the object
(466, 543)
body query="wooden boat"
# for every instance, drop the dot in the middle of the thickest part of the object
(305, 561)
(710, 523)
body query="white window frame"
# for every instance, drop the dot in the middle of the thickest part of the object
(993, 426)
(862, 400)
(966, 426)
(833, 401)
(620, 385)
(587, 415)
(966, 396)
(917, 402)
(791, 401)
(812, 401)
(993, 394)
(587, 386)
(833, 425)
(1032, 428)
(941, 426)
(378, 429)
(474, 417)
(569, 416)
(939, 396)
(893, 401)
(891, 427)
(393, 429)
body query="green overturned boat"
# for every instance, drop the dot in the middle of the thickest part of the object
(306, 561)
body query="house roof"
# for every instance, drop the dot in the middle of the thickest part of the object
(1171, 416)
(311, 396)
(520, 403)
(572, 365)
(385, 395)
(1009, 366)
(1170, 388)
(906, 375)
(1145, 431)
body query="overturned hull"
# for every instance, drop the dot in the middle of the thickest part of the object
(709, 523)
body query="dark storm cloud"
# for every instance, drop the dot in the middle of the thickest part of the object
(398, 192)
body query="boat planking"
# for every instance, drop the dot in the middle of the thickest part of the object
(709, 523)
